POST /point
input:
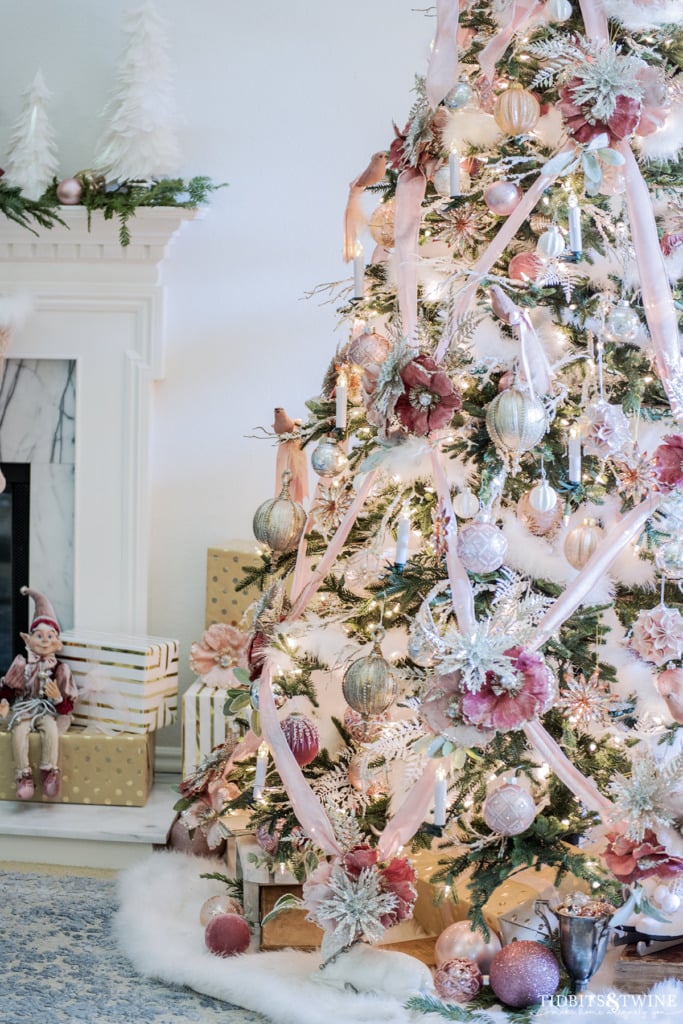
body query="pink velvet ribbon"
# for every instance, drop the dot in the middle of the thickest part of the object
(461, 589)
(442, 70)
(521, 13)
(327, 561)
(291, 457)
(410, 191)
(619, 536)
(305, 804)
(403, 825)
(493, 250)
(535, 365)
(584, 789)
(247, 746)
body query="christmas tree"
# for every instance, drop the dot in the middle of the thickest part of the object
(471, 638)
(140, 142)
(32, 160)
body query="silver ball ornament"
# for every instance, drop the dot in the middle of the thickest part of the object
(460, 96)
(516, 422)
(279, 697)
(279, 522)
(622, 324)
(329, 459)
(368, 685)
(669, 559)
(70, 192)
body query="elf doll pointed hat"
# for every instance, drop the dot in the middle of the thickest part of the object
(44, 613)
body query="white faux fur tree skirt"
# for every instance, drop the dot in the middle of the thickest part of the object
(157, 927)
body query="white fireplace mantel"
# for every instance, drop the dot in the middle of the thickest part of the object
(100, 305)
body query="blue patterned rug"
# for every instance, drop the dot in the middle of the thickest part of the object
(60, 964)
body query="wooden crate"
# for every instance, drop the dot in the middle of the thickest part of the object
(634, 973)
(290, 928)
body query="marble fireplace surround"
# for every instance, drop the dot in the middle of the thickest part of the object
(99, 308)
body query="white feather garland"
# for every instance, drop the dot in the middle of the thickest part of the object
(470, 127)
(643, 14)
(667, 142)
(674, 265)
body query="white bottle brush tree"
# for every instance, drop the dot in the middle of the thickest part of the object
(32, 159)
(140, 140)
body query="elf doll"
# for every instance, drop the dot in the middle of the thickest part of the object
(38, 693)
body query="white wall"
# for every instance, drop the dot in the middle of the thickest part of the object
(286, 102)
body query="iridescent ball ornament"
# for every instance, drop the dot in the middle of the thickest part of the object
(329, 458)
(669, 559)
(460, 96)
(362, 729)
(458, 980)
(481, 546)
(503, 197)
(516, 421)
(622, 324)
(523, 973)
(509, 809)
(459, 940)
(279, 522)
(369, 686)
(217, 905)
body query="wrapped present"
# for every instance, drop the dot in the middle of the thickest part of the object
(127, 683)
(224, 603)
(115, 771)
(204, 724)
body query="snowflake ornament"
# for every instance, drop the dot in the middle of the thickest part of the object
(606, 430)
(643, 799)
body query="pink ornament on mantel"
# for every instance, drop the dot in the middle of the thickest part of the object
(503, 197)
(458, 980)
(303, 738)
(670, 686)
(523, 973)
(70, 192)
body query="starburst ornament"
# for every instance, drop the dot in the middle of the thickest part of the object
(464, 228)
(331, 505)
(587, 702)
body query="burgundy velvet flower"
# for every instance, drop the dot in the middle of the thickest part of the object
(357, 859)
(622, 123)
(668, 460)
(398, 877)
(429, 399)
(630, 861)
(495, 707)
(397, 148)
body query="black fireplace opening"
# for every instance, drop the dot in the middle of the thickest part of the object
(15, 510)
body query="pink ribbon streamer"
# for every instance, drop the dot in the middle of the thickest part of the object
(410, 191)
(658, 302)
(404, 824)
(535, 365)
(247, 746)
(442, 70)
(461, 588)
(595, 22)
(337, 543)
(598, 564)
(522, 12)
(305, 803)
(583, 788)
(493, 250)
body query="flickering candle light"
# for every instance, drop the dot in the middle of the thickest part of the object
(454, 172)
(341, 397)
(402, 539)
(575, 237)
(574, 451)
(261, 766)
(358, 273)
(440, 794)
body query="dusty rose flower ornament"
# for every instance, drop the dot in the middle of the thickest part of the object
(205, 813)
(668, 460)
(221, 648)
(658, 635)
(503, 708)
(631, 861)
(429, 399)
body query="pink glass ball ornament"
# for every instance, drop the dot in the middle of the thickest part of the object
(303, 738)
(509, 809)
(458, 940)
(670, 686)
(70, 192)
(523, 267)
(481, 546)
(458, 980)
(551, 243)
(217, 905)
(227, 935)
(523, 973)
(502, 197)
(362, 729)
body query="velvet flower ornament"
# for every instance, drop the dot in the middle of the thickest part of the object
(429, 399)
(221, 648)
(205, 813)
(504, 707)
(631, 861)
(668, 460)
